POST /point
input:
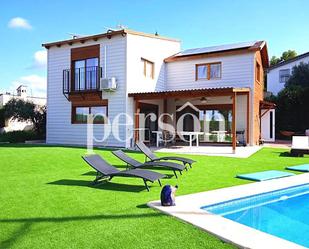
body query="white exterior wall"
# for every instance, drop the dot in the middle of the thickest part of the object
(273, 82)
(59, 127)
(237, 71)
(152, 49)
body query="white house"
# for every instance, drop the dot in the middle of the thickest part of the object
(21, 93)
(130, 72)
(278, 74)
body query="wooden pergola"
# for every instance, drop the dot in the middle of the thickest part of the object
(195, 93)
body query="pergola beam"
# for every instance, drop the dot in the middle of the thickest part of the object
(194, 93)
(234, 122)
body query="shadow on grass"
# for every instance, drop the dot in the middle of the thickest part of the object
(26, 223)
(285, 154)
(102, 185)
(82, 218)
(142, 206)
(17, 234)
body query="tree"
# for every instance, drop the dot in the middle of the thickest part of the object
(300, 76)
(286, 55)
(274, 60)
(2, 119)
(293, 101)
(21, 110)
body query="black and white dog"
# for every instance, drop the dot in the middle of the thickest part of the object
(168, 195)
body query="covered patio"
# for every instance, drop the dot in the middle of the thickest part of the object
(222, 115)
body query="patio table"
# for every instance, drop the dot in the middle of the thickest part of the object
(191, 135)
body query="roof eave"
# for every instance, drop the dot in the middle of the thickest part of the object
(108, 35)
(84, 39)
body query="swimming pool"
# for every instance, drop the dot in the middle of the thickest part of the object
(283, 213)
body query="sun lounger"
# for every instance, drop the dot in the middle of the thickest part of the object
(136, 164)
(300, 145)
(107, 171)
(148, 153)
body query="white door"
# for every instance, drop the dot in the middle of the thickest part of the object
(268, 125)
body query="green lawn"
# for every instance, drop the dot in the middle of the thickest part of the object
(46, 200)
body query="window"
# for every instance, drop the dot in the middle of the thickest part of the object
(258, 72)
(284, 75)
(202, 72)
(215, 71)
(85, 74)
(209, 71)
(80, 114)
(148, 68)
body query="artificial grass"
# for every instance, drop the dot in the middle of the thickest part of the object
(47, 201)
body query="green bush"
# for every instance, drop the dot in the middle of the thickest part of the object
(19, 136)
(2, 119)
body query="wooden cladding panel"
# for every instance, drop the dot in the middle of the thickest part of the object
(85, 52)
(85, 96)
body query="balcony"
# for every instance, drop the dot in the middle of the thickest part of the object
(81, 80)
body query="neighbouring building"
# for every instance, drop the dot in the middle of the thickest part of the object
(21, 93)
(278, 74)
(125, 71)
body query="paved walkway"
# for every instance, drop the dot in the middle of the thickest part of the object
(226, 151)
(286, 144)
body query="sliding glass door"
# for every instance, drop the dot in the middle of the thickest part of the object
(86, 74)
(216, 125)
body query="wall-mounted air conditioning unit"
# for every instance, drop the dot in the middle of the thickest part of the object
(108, 84)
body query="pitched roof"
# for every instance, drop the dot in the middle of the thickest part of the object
(213, 49)
(108, 35)
(301, 56)
(228, 48)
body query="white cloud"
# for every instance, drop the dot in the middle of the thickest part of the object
(19, 23)
(40, 59)
(36, 85)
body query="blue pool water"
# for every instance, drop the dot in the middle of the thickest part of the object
(283, 213)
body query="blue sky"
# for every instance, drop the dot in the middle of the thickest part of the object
(283, 24)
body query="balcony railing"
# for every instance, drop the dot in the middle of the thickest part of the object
(81, 79)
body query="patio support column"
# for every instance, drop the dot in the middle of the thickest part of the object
(234, 123)
(136, 123)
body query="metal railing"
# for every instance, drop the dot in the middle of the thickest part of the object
(81, 79)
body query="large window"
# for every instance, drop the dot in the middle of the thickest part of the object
(86, 74)
(209, 71)
(147, 68)
(80, 114)
(284, 75)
